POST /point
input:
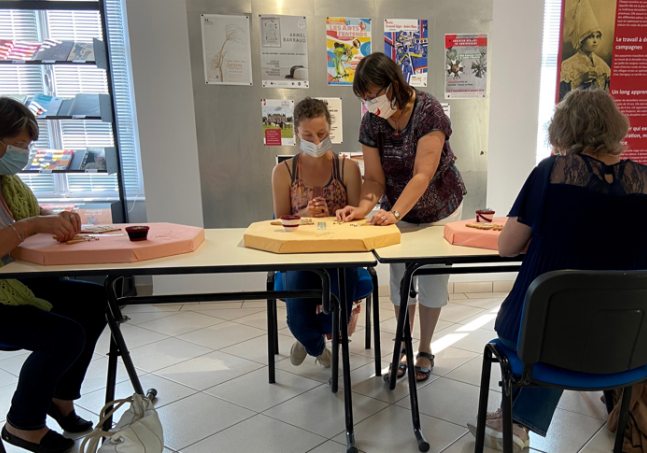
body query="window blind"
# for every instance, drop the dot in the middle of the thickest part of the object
(548, 83)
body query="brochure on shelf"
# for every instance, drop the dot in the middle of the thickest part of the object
(82, 52)
(54, 50)
(51, 159)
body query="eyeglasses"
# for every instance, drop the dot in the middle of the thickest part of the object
(372, 98)
(29, 146)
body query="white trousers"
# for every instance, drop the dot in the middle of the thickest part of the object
(431, 289)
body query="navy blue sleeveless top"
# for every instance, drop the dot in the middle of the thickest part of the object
(579, 220)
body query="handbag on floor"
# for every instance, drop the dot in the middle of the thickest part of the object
(138, 430)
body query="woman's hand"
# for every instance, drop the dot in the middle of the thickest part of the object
(64, 226)
(349, 213)
(383, 218)
(317, 207)
(590, 75)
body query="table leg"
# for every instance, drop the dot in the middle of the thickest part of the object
(114, 313)
(335, 345)
(271, 325)
(377, 348)
(111, 382)
(348, 398)
(397, 347)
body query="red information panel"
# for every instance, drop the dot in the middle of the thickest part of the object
(272, 137)
(604, 45)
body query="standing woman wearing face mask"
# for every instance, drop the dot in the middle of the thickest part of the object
(59, 321)
(314, 183)
(409, 164)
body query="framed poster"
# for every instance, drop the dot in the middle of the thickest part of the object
(226, 50)
(336, 120)
(465, 66)
(406, 42)
(278, 121)
(348, 41)
(284, 51)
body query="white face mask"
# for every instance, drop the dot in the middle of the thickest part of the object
(316, 150)
(381, 106)
(14, 160)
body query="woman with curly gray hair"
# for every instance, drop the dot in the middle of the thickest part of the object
(557, 218)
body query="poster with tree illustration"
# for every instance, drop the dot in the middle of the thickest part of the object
(226, 49)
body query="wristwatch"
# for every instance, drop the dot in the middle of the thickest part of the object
(396, 214)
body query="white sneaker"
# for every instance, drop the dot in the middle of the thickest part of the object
(494, 433)
(298, 354)
(325, 359)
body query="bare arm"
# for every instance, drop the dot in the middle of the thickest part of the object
(281, 191)
(9, 239)
(514, 238)
(374, 180)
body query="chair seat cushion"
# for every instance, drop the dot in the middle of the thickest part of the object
(549, 374)
(362, 291)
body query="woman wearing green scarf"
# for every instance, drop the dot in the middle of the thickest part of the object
(60, 321)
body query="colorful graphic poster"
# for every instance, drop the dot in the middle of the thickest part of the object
(347, 42)
(226, 49)
(278, 120)
(405, 41)
(336, 121)
(604, 46)
(465, 66)
(284, 51)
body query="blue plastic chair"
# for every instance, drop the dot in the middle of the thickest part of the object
(367, 288)
(581, 330)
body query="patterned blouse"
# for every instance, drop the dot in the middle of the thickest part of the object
(301, 193)
(398, 154)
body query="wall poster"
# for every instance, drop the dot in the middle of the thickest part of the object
(226, 49)
(278, 120)
(465, 66)
(604, 46)
(336, 121)
(284, 51)
(347, 42)
(405, 42)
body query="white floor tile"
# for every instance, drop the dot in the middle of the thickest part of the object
(322, 412)
(167, 392)
(449, 359)
(254, 392)
(14, 364)
(472, 287)
(7, 378)
(504, 286)
(138, 318)
(584, 403)
(228, 314)
(358, 343)
(165, 353)
(197, 417)
(466, 445)
(390, 431)
(602, 442)
(208, 370)
(180, 323)
(486, 304)
(457, 296)
(259, 320)
(452, 401)
(568, 433)
(260, 304)
(6, 393)
(488, 295)
(390, 325)
(256, 349)
(366, 383)
(149, 308)
(315, 371)
(223, 335)
(484, 320)
(9, 354)
(474, 341)
(331, 447)
(135, 337)
(218, 305)
(269, 435)
(456, 313)
(470, 373)
(97, 373)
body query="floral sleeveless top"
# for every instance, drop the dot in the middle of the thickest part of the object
(301, 193)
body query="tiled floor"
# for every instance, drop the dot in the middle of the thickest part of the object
(209, 364)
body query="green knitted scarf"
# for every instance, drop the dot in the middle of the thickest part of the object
(23, 204)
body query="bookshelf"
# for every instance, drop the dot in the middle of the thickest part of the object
(102, 61)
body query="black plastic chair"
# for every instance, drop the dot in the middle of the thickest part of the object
(368, 279)
(581, 330)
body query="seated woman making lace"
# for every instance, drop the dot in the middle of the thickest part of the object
(585, 209)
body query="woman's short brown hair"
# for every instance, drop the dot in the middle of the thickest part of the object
(14, 117)
(310, 108)
(379, 71)
(588, 121)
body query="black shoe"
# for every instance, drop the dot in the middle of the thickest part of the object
(52, 442)
(72, 423)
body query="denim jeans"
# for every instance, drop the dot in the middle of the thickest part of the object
(306, 325)
(62, 342)
(533, 407)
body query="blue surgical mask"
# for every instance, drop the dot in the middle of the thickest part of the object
(316, 150)
(14, 160)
